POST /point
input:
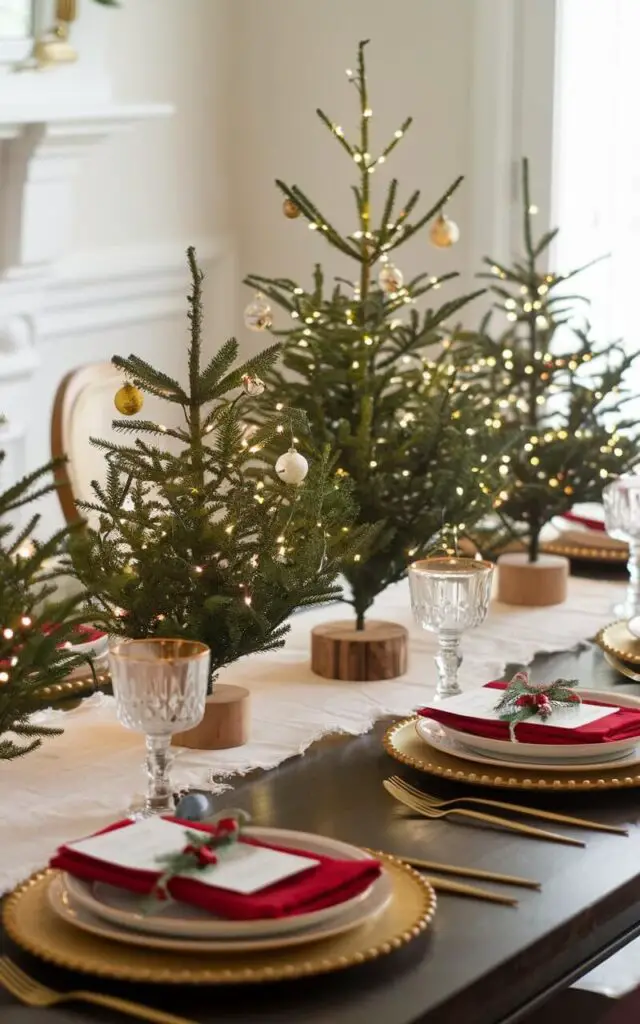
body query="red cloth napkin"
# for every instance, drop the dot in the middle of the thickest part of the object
(329, 882)
(591, 524)
(621, 724)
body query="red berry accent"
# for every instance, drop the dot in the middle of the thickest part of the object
(226, 825)
(206, 856)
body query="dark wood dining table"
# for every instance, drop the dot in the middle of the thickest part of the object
(479, 963)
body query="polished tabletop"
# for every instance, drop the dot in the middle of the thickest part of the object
(479, 963)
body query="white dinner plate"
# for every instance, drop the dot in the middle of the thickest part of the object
(542, 753)
(181, 920)
(633, 625)
(63, 904)
(436, 736)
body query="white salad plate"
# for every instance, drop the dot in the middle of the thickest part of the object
(181, 920)
(462, 745)
(63, 904)
(542, 753)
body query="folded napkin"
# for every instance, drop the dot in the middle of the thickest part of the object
(591, 524)
(621, 724)
(324, 884)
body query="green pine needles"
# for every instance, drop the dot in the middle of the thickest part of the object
(201, 539)
(561, 395)
(30, 653)
(414, 441)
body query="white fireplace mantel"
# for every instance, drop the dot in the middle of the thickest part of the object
(42, 149)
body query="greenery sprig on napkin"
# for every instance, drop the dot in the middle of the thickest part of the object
(523, 699)
(201, 850)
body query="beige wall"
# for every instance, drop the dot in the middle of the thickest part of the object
(291, 56)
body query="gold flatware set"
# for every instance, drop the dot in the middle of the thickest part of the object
(432, 808)
(32, 993)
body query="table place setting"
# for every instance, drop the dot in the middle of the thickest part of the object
(217, 902)
(524, 735)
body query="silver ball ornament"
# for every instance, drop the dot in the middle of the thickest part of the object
(292, 467)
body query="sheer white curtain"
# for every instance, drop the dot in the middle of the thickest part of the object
(597, 160)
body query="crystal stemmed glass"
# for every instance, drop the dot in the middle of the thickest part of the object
(621, 500)
(160, 686)
(449, 595)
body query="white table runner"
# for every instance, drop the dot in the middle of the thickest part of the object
(86, 778)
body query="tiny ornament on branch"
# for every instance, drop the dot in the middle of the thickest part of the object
(252, 386)
(444, 232)
(290, 209)
(292, 467)
(258, 315)
(390, 279)
(128, 400)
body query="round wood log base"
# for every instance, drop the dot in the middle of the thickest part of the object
(340, 651)
(225, 723)
(532, 584)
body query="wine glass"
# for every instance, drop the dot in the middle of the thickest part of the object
(160, 686)
(449, 595)
(621, 500)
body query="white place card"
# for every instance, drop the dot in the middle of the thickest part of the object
(481, 703)
(241, 868)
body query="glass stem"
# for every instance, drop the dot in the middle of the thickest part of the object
(159, 798)
(448, 660)
(633, 590)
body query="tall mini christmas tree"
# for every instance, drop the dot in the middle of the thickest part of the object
(32, 653)
(560, 394)
(211, 542)
(371, 381)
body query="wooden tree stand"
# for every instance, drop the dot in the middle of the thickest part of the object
(340, 651)
(532, 584)
(225, 723)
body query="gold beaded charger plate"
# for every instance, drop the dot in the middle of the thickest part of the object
(616, 639)
(30, 922)
(404, 744)
(584, 551)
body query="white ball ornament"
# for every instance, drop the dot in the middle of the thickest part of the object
(292, 467)
(444, 232)
(390, 279)
(258, 315)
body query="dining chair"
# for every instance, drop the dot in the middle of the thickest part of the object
(82, 408)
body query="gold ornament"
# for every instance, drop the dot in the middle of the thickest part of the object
(290, 209)
(128, 400)
(444, 232)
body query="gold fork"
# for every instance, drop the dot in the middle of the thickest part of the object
(32, 993)
(532, 812)
(426, 811)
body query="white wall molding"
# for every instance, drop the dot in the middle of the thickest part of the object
(121, 286)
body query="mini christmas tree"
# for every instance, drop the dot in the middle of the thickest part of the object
(409, 435)
(211, 542)
(32, 653)
(560, 394)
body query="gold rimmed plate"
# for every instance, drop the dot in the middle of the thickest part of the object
(616, 639)
(404, 744)
(30, 922)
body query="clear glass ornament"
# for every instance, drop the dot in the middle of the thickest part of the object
(390, 278)
(621, 500)
(258, 315)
